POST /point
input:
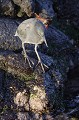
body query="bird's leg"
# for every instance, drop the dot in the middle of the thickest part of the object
(39, 60)
(25, 55)
(45, 42)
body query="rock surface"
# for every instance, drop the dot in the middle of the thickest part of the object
(72, 90)
(7, 7)
(28, 7)
(45, 8)
(69, 10)
(46, 90)
(7, 32)
(27, 93)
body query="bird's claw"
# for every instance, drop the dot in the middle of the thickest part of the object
(28, 62)
(39, 62)
(45, 65)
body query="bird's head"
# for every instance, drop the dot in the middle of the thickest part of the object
(45, 21)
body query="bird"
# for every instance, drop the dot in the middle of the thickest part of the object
(32, 31)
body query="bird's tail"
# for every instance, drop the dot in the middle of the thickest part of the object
(16, 34)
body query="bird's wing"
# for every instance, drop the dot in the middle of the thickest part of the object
(39, 27)
(27, 23)
(22, 30)
(40, 31)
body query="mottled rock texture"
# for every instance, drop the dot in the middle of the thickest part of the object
(69, 10)
(27, 93)
(7, 7)
(26, 6)
(18, 8)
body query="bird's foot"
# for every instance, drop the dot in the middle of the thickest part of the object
(28, 61)
(32, 62)
(45, 66)
(41, 66)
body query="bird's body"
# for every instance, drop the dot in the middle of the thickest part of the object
(31, 31)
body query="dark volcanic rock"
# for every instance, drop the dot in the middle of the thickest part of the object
(43, 89)
(7, 32)
(45, 8)
(7, 7)
(26, 6)
(26, 93)
(69, 10)
(19, 7)
(72, 85)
